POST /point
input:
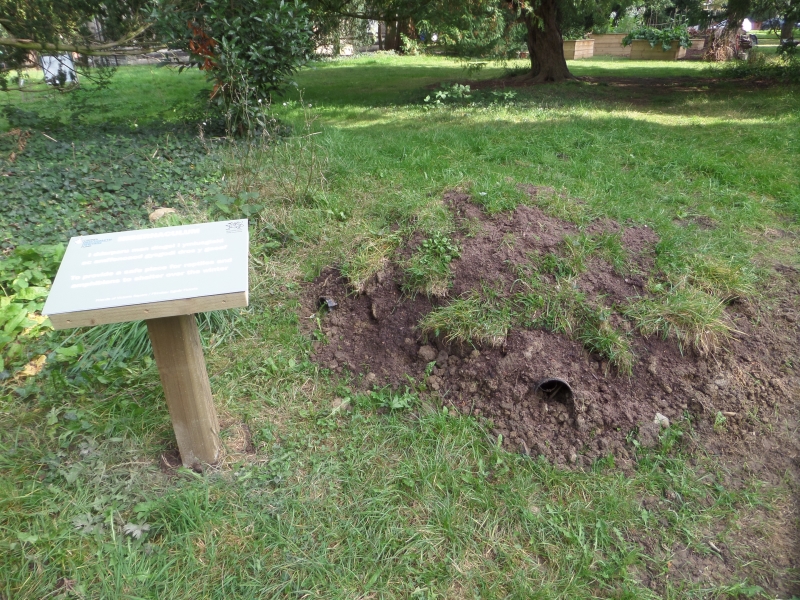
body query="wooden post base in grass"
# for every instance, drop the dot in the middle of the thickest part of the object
(179, 356)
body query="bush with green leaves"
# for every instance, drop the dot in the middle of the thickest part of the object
(25, 279)
(249, 48)
(665, 37)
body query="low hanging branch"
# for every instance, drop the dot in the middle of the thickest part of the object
(104, 49)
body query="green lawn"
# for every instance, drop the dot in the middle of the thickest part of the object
(342, 499)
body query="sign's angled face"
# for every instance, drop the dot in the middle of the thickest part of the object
(150, 273)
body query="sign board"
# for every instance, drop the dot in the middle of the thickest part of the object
(150, 273)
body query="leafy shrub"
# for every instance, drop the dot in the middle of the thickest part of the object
(411, 46)
(25, 279)
(665, 37)
(249, 48)
(784, 68)
(457, 93)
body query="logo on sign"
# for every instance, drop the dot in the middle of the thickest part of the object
(89, 243)
(234, 227)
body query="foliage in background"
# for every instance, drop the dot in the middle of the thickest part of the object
(784, 68)
(457, 93)
(83, 26)
(665, 37)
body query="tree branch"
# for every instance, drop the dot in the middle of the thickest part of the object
(85, 49)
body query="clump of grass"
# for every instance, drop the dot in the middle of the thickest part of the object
(472, 319)
(692, 316)
(608, 246)
(129, 341)
(579, 249)
(371, 258)
(562, 207)
(725, 281)
(497, 195)
(428, 269)
(599, 336)
(562, 308)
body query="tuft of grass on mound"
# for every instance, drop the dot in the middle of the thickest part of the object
(473, 320)
(723, 280)
(562, 308)
(371, 258)
(578, 251)
(689, 315)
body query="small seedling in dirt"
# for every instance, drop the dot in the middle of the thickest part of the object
(509, 240)
(428, 269)
(719, 423)
(395, 400)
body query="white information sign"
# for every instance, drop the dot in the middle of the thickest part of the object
(150, 273)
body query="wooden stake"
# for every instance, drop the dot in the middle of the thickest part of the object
(179, 356)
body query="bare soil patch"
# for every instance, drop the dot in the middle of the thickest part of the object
(752, 383)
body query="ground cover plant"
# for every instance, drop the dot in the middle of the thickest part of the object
(341, 480)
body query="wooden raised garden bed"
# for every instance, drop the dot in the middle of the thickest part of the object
(575, 49)
(610, 44)
(641, 50)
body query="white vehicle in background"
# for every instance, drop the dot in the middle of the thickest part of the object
(58, 70)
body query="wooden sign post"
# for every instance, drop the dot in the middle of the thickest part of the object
(162, 276)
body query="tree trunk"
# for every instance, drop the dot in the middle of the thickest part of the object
(392, 37)
(545, 44)
(787, 29)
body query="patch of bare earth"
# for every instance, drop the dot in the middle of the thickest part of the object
(753, 382)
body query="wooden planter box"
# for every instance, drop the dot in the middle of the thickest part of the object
(641, 50)
(575, 49)
(610, 44)
(698, 43)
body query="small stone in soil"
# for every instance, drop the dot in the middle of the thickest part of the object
(661, 420)
(427, 353)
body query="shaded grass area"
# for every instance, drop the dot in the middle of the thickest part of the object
(94, 160)
(346, 495)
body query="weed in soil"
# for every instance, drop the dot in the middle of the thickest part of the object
(428, 269)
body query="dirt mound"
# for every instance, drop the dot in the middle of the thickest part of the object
(743, 389)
